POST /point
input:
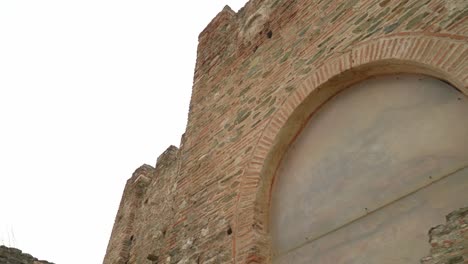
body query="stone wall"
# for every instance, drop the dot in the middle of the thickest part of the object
(206, 202)
(449, 242)
(145, 213)
(16, 256)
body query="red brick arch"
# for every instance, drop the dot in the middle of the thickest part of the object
(441, 56)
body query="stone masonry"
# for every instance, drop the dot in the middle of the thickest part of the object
(256, 70)
(16, 256)
(449, 242)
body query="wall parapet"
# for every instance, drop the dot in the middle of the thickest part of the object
(167, 158)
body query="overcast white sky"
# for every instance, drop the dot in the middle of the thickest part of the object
(89, 91)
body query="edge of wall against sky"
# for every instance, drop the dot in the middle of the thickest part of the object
(204, 202)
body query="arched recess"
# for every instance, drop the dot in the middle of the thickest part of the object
(444, 58)
(372, 171)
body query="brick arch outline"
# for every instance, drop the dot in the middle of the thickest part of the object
(441, 56)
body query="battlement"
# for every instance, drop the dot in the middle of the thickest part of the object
(231, 40)
(229, 34)
(167, 158)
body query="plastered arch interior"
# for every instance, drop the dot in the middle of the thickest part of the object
(371, 172)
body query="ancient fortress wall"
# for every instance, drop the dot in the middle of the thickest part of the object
(260, 73)
(16, 256)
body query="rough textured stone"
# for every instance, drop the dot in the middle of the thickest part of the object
(253, 69)
(16, 256)
(449, 242)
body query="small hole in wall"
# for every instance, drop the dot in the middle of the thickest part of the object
(153, 258)
(255, 49)
(164, 232)
(269, 34)
(131, 238)
(146, 201)
(229, 231)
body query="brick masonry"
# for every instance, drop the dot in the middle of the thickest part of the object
(259, 74)
(16, 256)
